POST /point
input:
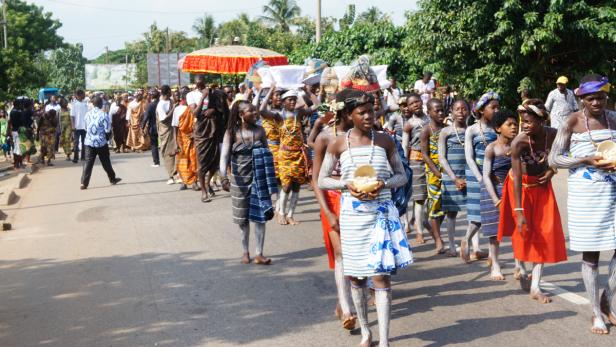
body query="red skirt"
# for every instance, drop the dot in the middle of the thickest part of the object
(332, 198)
(543, 240)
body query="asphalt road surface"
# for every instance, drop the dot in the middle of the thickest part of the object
(143, 264)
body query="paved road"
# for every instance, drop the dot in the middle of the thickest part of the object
(143, 264)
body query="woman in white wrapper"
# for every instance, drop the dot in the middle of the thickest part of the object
(373, 242)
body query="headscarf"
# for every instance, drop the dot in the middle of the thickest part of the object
(603, 85)
(532, 109)
(485, 99)
(289, 94)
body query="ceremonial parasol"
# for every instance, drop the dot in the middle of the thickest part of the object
(230, 59)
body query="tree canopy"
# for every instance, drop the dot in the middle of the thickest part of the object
(281, 13)
(33, 31)
(499, 45)
(502, 45)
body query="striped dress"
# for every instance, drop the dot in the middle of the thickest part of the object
(489, 213)
(453, 199)
(434, 182)
(592, 198)
(416, 162)
(241, 180)
(356, 223)
(473, 188)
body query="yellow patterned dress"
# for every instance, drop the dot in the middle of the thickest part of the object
(291, 158)
(272, 131)
(434, 182)
(66, 139)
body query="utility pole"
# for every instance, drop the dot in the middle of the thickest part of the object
(168, 57)
(4, 23)
(106, 55)
(127, 75)
(318, 21)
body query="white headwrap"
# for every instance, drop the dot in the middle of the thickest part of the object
(289, 94)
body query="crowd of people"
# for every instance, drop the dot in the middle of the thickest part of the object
(382, 163)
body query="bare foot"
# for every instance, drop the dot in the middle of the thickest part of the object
(348, 321)
(292, 221)
(246, 259)
(598, 326)
(497, 275)
(440, 248)
(367, 341)
(478, 255)
(261, 260)
(420, 239)
(464, 252)
(539, 296)
(606, 309)
(517, 274)
(282, 220)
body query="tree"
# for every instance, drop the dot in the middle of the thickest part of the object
(371, 15)
(281, 13)
(497, 45)
(205, 29)
(228, 31)
(349, 17)
(67, 68)
(32, 32)
(381, 40)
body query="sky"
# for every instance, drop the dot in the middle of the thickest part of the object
(100, 23)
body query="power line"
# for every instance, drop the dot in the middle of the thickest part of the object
(193, 12)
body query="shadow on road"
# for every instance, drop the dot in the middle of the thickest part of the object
(468, 330)
(168, 299)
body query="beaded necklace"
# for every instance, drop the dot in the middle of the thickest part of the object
(455, 129)
(348, 141)
(284, 122)
(607, 120)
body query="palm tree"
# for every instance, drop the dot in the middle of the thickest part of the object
(206, 29)
(281, 13)
(371, 15)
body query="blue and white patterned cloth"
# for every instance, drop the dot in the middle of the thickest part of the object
(98, 125)
(402, 195)
(264, 185)
(592, 198)
(389, 248)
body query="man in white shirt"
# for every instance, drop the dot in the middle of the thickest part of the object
(560, 103)
(425, 88)
(78, 114)
(194, 97)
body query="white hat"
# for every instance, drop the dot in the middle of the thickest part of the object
(289, 94)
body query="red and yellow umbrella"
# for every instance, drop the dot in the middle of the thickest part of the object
(230, 59)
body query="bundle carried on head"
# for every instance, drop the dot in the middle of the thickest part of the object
(361, 76)
(252, 76)
(314, 70)
(329, 80)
